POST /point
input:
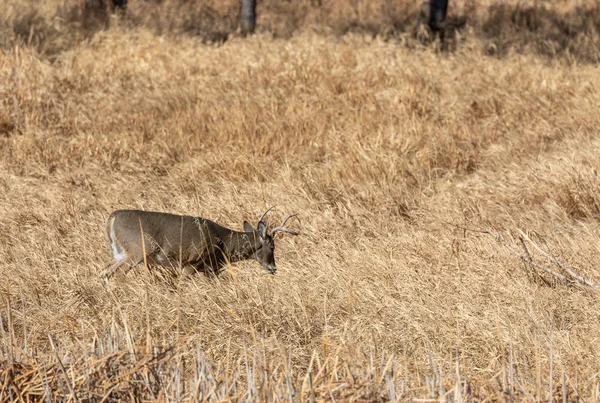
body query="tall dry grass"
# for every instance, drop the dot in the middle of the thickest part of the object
(391, 154)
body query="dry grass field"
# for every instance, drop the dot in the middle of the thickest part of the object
(435, 192)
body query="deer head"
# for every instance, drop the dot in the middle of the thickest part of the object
(264, 242)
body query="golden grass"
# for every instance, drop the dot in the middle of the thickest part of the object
(387, 153)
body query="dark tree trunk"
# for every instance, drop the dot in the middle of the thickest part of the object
(248, 16)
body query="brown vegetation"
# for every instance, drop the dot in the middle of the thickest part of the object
(390, 152)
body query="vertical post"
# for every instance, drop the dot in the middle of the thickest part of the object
(248, 16)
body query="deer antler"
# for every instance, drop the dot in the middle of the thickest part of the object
(265, 213)
(282, 228)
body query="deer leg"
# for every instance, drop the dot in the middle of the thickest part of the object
(188, 271)
(110, 270)
(203, 266)
(132, 265)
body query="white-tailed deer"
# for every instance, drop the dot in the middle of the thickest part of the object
(187, 242)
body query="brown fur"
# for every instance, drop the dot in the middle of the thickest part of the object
(172, 241)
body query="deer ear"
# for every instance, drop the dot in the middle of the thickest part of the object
(262, 230)
(248, 227)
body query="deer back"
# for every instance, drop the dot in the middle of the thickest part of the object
(166, 236)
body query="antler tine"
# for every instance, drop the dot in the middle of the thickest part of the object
(282, 228)
(265, 213)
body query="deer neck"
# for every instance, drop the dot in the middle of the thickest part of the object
(240, 246)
